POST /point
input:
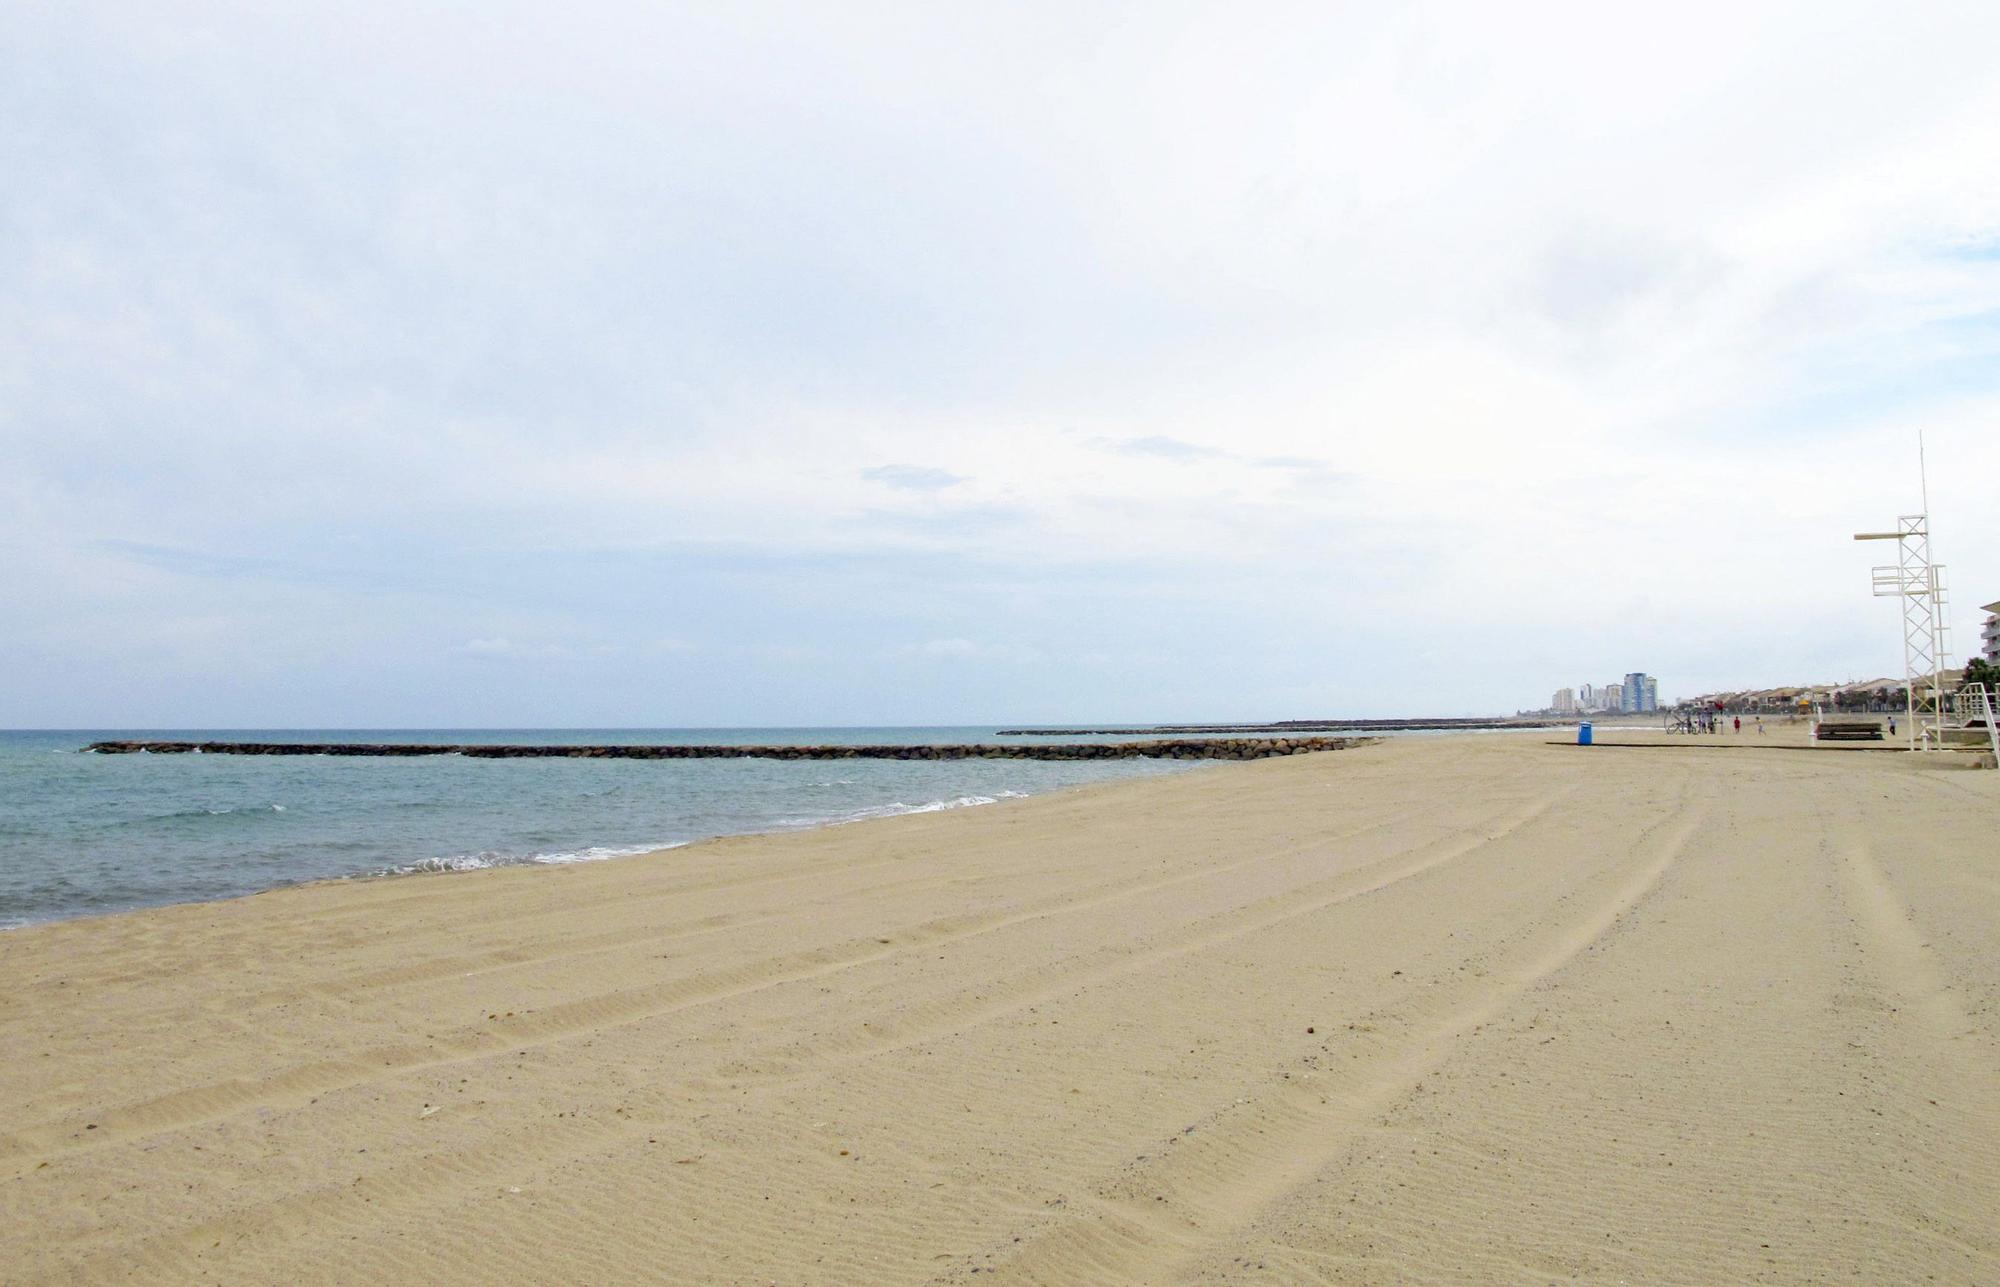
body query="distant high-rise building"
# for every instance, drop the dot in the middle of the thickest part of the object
(1564, 702)
(1586, 697)
(1639, 693)
(1611, 697)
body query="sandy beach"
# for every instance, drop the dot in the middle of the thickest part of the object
(1466, 1009)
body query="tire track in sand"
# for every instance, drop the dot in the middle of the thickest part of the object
(986, 1002)
(434, 1177)
(1898, 951)
(1161, 1214)
(1939, 1080)
(196, 1105)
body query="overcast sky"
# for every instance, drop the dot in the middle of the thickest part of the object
(486, 364)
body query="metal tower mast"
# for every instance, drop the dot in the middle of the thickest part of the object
(1920, 584)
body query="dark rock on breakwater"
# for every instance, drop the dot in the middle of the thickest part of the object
(1292, 727)
(1217, 748)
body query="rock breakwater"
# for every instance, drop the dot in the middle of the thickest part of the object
(1297, 727)
(1205, 748)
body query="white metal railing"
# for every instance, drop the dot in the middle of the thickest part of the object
(1973, 705)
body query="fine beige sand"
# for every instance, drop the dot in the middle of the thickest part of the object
(1473, 1009)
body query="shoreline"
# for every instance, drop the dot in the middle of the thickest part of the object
(1434, 1011)
(100, 836)
(465, 864)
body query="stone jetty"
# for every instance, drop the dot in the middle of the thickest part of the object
(1297, 727)
(1190, 748)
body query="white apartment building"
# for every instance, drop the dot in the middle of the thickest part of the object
(1989, 634)
(1564, 702)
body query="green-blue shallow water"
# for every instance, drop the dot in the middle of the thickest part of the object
(87, 834)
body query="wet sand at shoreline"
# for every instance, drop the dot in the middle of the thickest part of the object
(1438, 1009)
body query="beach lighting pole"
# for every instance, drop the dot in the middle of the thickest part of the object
(1919, 583)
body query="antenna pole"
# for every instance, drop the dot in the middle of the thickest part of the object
(1923, 473)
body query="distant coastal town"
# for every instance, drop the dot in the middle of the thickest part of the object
(1628, 697)
(1638, 693)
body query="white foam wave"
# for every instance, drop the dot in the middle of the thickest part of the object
(488, 859)
(597, 853)
(449, 862)
(227, 811)
(899, 809)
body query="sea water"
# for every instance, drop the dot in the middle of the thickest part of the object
(84, 834)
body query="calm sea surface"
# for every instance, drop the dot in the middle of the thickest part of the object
(86, 834)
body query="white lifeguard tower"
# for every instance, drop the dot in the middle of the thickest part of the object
(1920, 584)
(1936, 720)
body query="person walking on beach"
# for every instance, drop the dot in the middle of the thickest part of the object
(1760, 726)
(1739, 723)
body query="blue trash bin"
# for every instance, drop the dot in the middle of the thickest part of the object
(1583, 733)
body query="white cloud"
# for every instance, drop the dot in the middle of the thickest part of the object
(1559, 339)
(915, 478)
(945, 648)
(511, 650)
